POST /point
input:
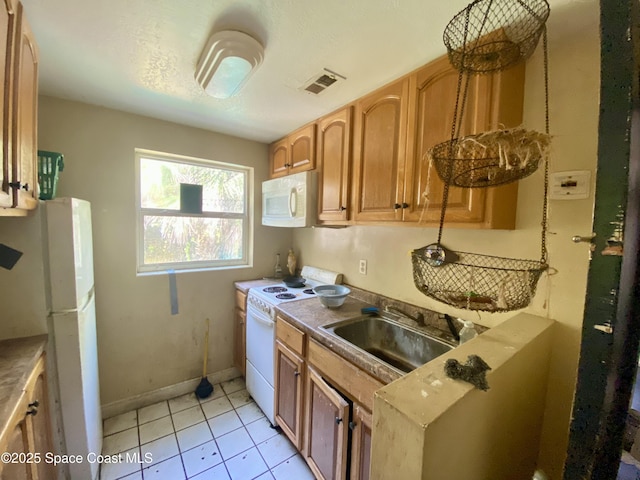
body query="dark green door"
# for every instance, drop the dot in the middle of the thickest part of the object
(611, 327)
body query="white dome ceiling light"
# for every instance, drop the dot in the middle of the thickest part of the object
(227, 62)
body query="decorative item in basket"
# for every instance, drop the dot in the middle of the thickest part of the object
(477, 282)
(492, 35)
(491, 158)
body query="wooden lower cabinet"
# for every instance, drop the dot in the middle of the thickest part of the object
(240, 332)
(323, 404)
(18, 444)
(40, 421)
(327, 429)
(289, 381)
(360, 427)
(239, 339)
(29, 437)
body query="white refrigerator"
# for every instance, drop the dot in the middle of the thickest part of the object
(71, 299)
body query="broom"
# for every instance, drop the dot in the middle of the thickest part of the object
(204, 388)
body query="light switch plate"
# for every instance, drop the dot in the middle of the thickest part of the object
(572, 185)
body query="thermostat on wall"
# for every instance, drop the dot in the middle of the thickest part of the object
(570, 185)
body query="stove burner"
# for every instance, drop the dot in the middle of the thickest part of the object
(274, 289)
(309, 291)
(285, 296)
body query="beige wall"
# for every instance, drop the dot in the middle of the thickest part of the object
(574, 93)
(142, 347)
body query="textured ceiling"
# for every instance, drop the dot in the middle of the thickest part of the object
(140, 55)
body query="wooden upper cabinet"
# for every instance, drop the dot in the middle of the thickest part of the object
(294, 153)
(434, 91)
(7, 40)
(19, 175)
(25, 97)
(334, 162)
(380, 137)
(279, 155)
(393, 128)
(433, 99)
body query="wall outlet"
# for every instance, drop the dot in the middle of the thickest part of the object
(363, 267)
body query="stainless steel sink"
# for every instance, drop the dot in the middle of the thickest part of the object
(399, 346)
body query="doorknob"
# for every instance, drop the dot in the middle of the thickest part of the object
(606, 327)
(578, 238)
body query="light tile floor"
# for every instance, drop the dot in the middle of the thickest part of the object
(223, 437)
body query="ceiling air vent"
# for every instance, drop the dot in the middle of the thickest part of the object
(319, 83)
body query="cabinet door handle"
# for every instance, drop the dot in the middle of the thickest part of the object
(338, 420)
(396, 206)
(342, 209)
(296, 374)
(26, 187)
(36, 404)
(405, 205)
(15, 185)
(352, 425)
(32, 411)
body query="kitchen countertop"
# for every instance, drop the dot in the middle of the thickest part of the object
(18, 357)
(309, 315)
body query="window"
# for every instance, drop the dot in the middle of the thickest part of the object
(192, 213)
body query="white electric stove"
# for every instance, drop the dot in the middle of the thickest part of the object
(261, 332)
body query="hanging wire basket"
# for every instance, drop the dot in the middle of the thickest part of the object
(478, 282)
(491, 158)
(469, 280)
(491, 35)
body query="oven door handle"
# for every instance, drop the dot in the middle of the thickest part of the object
(269, 323)
(256, 315)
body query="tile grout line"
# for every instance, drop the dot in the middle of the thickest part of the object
(212, 435)
(175, 433)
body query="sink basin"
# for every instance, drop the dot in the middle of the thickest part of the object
(399, 346)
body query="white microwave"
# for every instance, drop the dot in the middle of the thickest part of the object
(290, 201)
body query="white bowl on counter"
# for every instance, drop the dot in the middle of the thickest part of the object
(332, 296)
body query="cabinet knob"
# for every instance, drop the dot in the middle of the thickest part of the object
(342, 209)
(296, 374)
(396, 206)
(15, 185)
(405, 205)
(352, 425)
(32, 411)
(36, 403)
(338, 420)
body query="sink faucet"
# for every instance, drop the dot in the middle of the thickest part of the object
(452, 327)
(419, 318)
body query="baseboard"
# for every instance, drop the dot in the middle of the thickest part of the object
(165, 393)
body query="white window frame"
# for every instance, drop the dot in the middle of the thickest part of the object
(246, 216)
